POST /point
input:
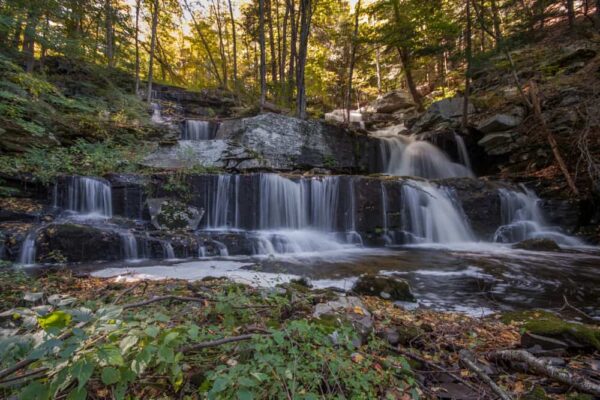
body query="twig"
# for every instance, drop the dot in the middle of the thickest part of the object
(558, 374)
(27, 376)
(218, 342)
(434, 365)
(129, 290)
(164, 298)
(467, 359)
(577, 310)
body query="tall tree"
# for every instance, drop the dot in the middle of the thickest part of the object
(153, 40)
(269, 4)
(571, 12)
(110, 36)
(468, 56)
(29, 35)
(233, 34)
(137, 46)
(306, 12)
(354, 46)
(263, 56)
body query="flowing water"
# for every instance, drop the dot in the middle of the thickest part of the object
(90, 197)
(198, 130)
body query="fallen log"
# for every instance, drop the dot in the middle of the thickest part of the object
(541, 367)
(468, 360)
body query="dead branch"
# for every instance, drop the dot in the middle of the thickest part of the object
(537, 110)
(468, 360)
(165, 298)
(541, 367)
(577, 310)
(218, 342)
(131, 289)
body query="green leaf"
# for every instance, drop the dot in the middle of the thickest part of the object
(56, 320)
(170, 337)
(35, 391)
(127, 343)
(82, 371)
(244, 394)
(166, 354)
(78, 394)
(110, 355)
(110, 375)
(152, 331)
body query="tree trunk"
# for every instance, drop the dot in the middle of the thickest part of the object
(233, 34)
(263, 56)
(410, 82)
(378, 69)
(272, 42)
(496, 20)
(571, 12)
(305, 17)
(44, 41)
(283, 58)
(293, 49)
(29, 40)
(204, 43)
(354, 45)
(137, 46)
(155, 12)
(17, 36)
(468, 56)
(217, 10)
(108, 15)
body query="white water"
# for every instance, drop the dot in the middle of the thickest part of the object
(168, 252)
(27, 253)
(156, 115)
(522, 219)
(130, 245)
(198, 130)
(431, 215)
(89, 196)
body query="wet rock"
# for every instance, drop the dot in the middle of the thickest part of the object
(539, 244)
(392, 101)
(386, 287)
(499, 143)
(499, 122)
(77, 243)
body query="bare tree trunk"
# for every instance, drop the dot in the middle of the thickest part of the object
(217, 10)
(378, 69)
(468, 56)
(571, 13)
(496, 21)
(353, 45)
(17, 36)
(305, 19)
(293, 49)
(137, 46)
(44, 41)
(204, 43)
(29, 39)
(410, 82)
(233, 34)
(269, 5)
(155, 12)
(263, 56)
(108, 15)
(282, 59)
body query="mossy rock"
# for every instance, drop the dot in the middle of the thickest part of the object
(386, 287)
(539, 244)
(547, 324)
(537, 393)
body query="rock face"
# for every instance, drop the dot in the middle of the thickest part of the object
(273, 142)
(446, 111)
(386, 287)
(499, 122)
(77, 243)
(393, 101)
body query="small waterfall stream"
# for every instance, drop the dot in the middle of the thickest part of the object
(198, 130)
(91, 197)
(27, 254)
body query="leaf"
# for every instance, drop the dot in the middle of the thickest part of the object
(166, 354)
(110, 375)
(108, 313)
(35, 391)
(170, 337)
(78, 394)
(127, 343)
(57, 320)
(82, 371)
(244, 394)
(152, 331)
(110, 355)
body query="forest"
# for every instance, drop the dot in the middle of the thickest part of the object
(300, 199)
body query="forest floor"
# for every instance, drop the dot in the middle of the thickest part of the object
(68, 336)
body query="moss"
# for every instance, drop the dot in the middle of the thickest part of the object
(537, 393)
(545, 323)
(579, 396)
(407, 334)
(328, 323)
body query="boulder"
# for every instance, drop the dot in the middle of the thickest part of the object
(77, 243)
(539, 244)
(349, 310)
(168, 214)
(446, 110)
(392, 102)
(498, 143)
(498, 123)
(386, 287)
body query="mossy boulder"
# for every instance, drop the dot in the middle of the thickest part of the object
(538, 322)
(539, 244)
(386, 287)
(168, 214)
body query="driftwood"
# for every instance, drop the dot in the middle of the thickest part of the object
(537, 111)
(468, 360)
(541, 367)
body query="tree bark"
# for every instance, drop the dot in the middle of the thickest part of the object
(354, 45)
(378, 69)
(283, 58)
(108, 15)
(496, 21)
(410, 82)
(233, 34)
(29, 39)
(571, 13)
(272, 42)
(155, 12)
(468, 56)
(137, 46)
(305, 19)
(263, 56)
(293, 49)
(217, 10)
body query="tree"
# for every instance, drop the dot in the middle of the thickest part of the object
(306, 12)
(153, 40)
(354, 45)
(233, 34)
(137, 46)
(263, 56)
(468, 56)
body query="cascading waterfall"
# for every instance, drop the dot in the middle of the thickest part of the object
(27, 253)
(156, 115)
(522, 219)
(130, 245)
(282, 203)
(198, 130)
(88, 196)
(407, 156)
(431, 215)
(463, 154)
(168, 251)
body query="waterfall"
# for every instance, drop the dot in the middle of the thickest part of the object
(463, 154)
(432, 215)
(282, 203)
(130, 245)
(407, 156)
(221, 202)
(384, 210)
(198, 130)
(522, 219)
(223, 252)
(27, 253)
(168, 252)
(324, 196)
(156, 115)
(85, 195)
